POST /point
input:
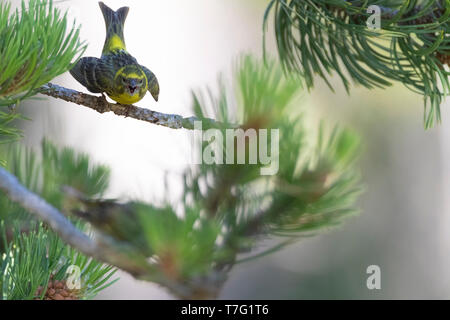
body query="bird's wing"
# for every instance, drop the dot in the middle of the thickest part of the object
(94, 74)
(153, 85)
(83, 72)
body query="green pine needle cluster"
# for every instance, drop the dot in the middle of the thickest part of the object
(34, 257)
(317, 183)
(322, 37)
(36, 45)
(30, 253)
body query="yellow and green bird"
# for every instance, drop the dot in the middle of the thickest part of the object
(116, 73)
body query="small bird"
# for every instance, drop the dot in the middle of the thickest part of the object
(116, 73)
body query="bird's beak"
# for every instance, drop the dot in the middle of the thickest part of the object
(132, 85)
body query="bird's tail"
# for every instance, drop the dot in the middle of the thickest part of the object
(115, 21)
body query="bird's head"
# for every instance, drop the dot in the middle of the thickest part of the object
(130, 81)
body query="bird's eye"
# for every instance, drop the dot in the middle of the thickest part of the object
(124, 80)
(141, 81)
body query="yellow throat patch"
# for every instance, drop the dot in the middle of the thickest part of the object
(125, 98)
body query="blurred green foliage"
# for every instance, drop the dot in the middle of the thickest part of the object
(30, 253)
(227, 209)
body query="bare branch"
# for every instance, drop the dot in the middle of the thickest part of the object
(101, 105)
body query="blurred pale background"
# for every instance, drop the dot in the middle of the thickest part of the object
(405, 222)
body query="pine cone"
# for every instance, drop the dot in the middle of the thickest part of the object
(444, 58)
(57, 290)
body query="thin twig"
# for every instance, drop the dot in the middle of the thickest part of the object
(101, 105)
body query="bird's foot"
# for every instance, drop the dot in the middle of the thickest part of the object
(104, 98)
(103, 104)
(127, 112)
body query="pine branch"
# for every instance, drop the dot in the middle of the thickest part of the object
(319, 37)
(103, 247)
(101, 105)
(98, 248)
